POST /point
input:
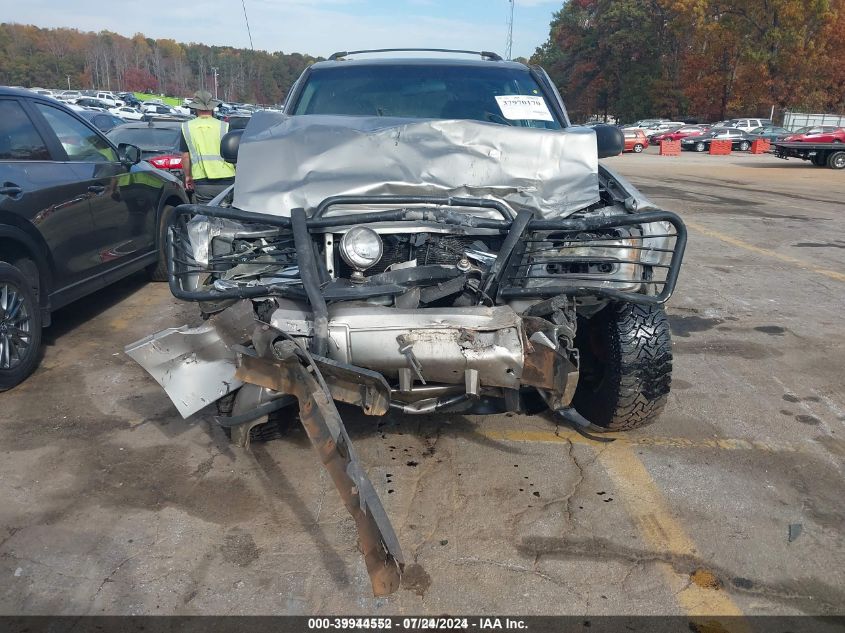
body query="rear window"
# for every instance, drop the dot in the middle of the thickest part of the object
(506, 96)
(146, 138)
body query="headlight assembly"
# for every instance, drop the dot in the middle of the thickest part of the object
(361, 248)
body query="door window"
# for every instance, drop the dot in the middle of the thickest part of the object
(80, 142)
(19, 140)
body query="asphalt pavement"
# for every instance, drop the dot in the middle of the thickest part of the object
(731, 504)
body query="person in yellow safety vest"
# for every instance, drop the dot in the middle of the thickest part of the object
(205, 170)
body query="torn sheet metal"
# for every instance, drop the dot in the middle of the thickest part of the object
(352, 385)
(288, 162)
(437, 344)
(324, 427)
(196, 366)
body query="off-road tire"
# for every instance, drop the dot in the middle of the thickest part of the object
(638, 148)
(20, 368)
(158, 271)
(626, 366)
(836, 160)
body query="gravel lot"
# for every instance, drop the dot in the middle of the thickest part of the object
(111, 503)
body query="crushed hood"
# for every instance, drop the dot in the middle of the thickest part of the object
(288, 162)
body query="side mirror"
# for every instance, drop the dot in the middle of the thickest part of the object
(609, 140)
(129, 154)
(229, 145)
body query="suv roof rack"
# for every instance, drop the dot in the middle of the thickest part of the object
(484, 54)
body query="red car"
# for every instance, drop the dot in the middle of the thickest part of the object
(635, 141)
(817, 134)
(677, 135)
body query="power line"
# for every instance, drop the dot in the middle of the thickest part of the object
(509, 46)
(246, 19)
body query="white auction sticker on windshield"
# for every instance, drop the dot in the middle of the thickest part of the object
(524, 107)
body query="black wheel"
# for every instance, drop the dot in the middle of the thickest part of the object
(626, 366)
(836, 160)
(20, 327)
(700, 147)
(744, 145)
(158, 271)
(277, 424)
(638, 148)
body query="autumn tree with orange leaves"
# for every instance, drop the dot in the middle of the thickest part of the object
(702, 59)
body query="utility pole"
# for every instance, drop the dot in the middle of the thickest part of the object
(214, 70)
(68, 82)
(246, 19)
(509, 47)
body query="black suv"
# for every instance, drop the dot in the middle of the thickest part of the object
(76, 214)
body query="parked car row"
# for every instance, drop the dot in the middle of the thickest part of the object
(741, 132)
(129, 108)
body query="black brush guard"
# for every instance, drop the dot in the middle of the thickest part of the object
(503, 281)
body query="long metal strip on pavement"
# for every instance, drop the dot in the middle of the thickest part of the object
(322, 423)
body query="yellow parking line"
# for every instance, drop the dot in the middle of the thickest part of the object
(650, 514)
(647, 508)
(566, 435)
(832, 274)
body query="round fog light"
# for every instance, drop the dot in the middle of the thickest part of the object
(361, 248)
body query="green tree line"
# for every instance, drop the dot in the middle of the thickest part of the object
(53, 58)
(704, 59)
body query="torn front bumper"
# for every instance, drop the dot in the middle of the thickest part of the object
(196, 366)
(474, 348)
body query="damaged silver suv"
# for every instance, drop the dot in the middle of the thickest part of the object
(422, 235)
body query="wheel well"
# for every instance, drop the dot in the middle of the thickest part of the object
(13, 250)
(170, 201)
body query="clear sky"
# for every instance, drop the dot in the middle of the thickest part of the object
(317, 27)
